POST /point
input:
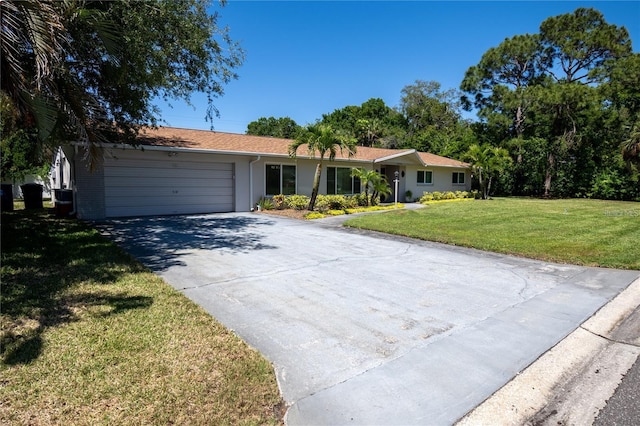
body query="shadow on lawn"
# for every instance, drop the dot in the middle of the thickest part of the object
(158, 241)
(43, 257)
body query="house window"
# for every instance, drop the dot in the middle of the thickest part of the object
(425, 177)
(340, 181)
(457, 178)
(280, 179)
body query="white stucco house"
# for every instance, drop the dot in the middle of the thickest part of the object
(181, 171)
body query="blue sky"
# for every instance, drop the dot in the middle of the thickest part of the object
(308, 58)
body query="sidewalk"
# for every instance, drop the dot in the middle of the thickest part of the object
(573, 381)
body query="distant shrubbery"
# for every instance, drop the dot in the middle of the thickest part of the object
(449, 195)
(324, 203)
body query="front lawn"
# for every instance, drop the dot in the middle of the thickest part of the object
(576, 231)
(91, 337)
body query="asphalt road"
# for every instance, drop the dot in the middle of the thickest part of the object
(623, 408)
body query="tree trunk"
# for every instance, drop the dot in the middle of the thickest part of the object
(316, 186)
(519, 122)
(551, 163)
(482, 183)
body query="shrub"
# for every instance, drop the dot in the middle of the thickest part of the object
(449, 195)
(278, 201)
(314, 215)
(322, 203)
(351, 202)
(426, 196)
(360, 200)
(296, 202)
(265, 204)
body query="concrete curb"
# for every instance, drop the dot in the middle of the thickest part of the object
(571, 382)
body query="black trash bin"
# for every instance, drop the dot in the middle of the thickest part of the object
(6, 194)
(32, 194)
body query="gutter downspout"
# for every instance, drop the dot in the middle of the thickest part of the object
(251, 163)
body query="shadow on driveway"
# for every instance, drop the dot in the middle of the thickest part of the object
(160, 242)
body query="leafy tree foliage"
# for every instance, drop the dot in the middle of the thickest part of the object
(370, 123)
(283, 127)
(87, 70)
(371, 180)
(324, 140)
(556, 95)
(433, 119)
(488, 162)
(20, 152)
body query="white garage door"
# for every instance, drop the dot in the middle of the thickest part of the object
(151, 185)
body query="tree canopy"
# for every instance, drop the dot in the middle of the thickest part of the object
(370, 124)
(283, 127)
(559, 101)
(84, 70)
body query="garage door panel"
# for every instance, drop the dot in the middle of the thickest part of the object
(139, 183)
(166, 173)
(159, 191)
(164, 164)
(155, 187)
(162, 210)
(174, 202)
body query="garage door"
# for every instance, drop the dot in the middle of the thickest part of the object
(152, 185)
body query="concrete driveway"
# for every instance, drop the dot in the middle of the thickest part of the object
(364, 328)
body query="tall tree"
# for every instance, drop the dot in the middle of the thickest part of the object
(544, 87)
(369, 123)
(499, 82)
(283, 127)
(576, 48)
(430, 113)
(326, 142)
(90, 70)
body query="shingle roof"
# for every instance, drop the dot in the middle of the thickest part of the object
(237, 143)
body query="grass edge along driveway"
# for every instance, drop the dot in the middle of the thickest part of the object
(91, 337)
(576, 231)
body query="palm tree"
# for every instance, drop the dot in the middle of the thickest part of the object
(371, 179)
(487, 162)
(36, 48)
(379, 188)
(365, 177)
(31, 44)
(321, 138)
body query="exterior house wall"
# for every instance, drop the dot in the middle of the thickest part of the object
(61, 174)
(305, 172)
(91, 193)
(89, 188)
(441, 180)
(209, 172)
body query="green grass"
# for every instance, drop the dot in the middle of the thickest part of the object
(576, 231)
(91, 337)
